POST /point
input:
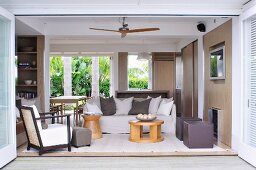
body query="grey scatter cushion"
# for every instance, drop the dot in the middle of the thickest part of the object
(108, 106)
(140, 107)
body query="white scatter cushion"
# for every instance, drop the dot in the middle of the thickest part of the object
(17, 112)
(37, 115)
(154, 104)
(167, 99)
(95, 100)
(28, 102)
(165, 108)
(123, 106)
(93, 108)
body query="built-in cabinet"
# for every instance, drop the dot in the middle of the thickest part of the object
(189, 91)
(30, 77)
(164, 72)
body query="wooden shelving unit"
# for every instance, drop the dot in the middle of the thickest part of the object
(30, 64)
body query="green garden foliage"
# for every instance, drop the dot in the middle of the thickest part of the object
(104, 82)
(214, 68)
(138, 77)
(56, 73)
(81, 76)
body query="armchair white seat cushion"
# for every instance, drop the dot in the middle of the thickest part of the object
(55, 134)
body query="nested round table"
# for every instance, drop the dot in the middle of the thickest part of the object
(93, 122)
(136, 131)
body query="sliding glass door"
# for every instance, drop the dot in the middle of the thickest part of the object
(7, 92)
(247, 149)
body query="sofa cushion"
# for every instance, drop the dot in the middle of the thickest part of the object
(123, 106)
(165, 108)
(108, 106)
(93, 108)
(49, 138)
(154, 104)
(95, 101)
(139, 107)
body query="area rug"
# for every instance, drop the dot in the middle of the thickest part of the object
(119, 145)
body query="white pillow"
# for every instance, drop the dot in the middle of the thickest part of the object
(167, 99)
(95, 100)
(154, 104)
(93, 108)
(123, 106)
(165, 108)
(17, 112)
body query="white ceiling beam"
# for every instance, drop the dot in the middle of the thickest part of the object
(124, 7)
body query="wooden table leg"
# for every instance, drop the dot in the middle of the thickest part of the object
(135, 133)
(153, 132)
(62, 108)
(159, 132)
(76, 113)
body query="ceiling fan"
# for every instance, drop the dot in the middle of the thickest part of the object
(124, 30)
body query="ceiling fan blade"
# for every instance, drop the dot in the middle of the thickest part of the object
(142, 30)
(99, 29)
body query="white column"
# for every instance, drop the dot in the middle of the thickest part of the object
(95, 76)
(150, 74)
(114, 74)
(200, 77)
(47, 73)
(67, 76)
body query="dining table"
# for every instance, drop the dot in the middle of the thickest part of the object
(68, 100)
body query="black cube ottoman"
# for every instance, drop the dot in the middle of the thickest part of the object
(198, 134)
(179, 125)
(81, 137)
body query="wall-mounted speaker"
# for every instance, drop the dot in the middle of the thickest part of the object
(201, 27)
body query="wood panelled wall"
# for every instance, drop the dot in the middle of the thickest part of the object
(218, 93)
(164, 72)
(189, 91)
(40, 72)
(122, 71)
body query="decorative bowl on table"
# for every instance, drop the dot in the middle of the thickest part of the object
(28, 82)
(146, 117)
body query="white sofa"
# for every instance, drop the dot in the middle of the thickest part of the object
(119, 124)
(116, 124)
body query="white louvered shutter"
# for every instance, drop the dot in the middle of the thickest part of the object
(252, 114)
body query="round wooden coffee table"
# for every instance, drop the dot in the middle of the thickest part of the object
(93, 122)
(136, 131)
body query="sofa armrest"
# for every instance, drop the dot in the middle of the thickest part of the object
(173, 115)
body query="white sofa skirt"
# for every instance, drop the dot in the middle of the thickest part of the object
(120, 124)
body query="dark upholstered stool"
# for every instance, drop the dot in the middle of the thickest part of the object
(198, 134)
(81, 137)
(179, 125)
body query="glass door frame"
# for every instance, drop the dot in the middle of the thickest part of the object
(246, 151)
(9, 152)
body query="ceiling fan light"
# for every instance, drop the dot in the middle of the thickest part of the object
(144, 56)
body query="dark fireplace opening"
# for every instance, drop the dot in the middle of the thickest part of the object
(213, 118)
(215, 123)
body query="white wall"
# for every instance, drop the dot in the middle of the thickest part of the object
(237, 74)
(200, 77)
(113, 47)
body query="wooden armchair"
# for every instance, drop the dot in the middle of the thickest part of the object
(54, 137)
